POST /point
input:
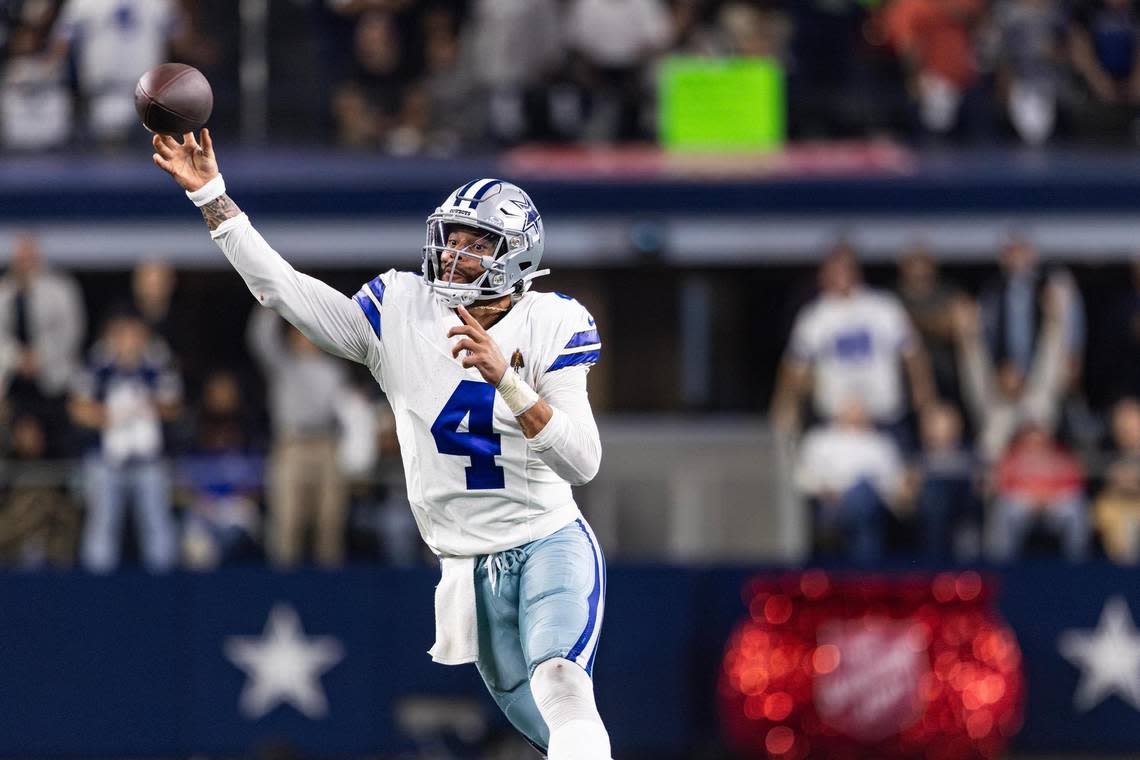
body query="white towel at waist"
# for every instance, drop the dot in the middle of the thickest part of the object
(456, 626)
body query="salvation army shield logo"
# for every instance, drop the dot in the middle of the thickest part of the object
(868, 674)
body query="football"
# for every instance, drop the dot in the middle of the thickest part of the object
(173, 98)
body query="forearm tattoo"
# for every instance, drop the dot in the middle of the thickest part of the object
(219, 210)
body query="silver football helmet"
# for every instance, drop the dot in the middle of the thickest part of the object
(509, 218)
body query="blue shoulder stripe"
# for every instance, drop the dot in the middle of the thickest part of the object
(584, 338)
(570, 360)
(377, 286)
(370, 311)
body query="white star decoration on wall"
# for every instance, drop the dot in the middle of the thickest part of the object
(283, 666)
(1108, 657)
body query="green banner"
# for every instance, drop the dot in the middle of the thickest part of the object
(721, 104)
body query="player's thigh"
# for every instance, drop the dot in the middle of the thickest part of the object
(562, 597)
(501, 662)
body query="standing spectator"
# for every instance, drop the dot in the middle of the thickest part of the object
(852, 473)
(1030, 35)
(1001, 396)
(221, 478)
(306, 486)
(42, 323)
(1117, 508)
(124, 396)
(1012, 305)
(1114, 363)
(615, 40)
(39, 525)
(35, 106)
(928, 300)
(152, 286)
(114, 42)
(1103, 50)
(849, 343)
(947, 498)
(935, 41)
(515, 77)
(1038, 482)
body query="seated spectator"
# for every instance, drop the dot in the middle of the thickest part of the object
(850, 342)
(999, 395)
(1030, 36)
(123, 397)
(852, 474)
(39, 525)
(947, 498)
(221, 480)
(306, 486)
(1038, 483)
(35, 105)
(1117, 508)
(928, 298)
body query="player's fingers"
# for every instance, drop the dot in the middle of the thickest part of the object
(470, 320)
(461, 330)
(170, 142)
(162, 149)
(162, 163)
(469, 361)
(464, 345)
(207, 142)
(189, 139)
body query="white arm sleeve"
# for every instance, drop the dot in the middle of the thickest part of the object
(327, 317)
(569, 444)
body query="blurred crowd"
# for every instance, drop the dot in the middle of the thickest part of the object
(437, 77)
(98, 432)
(954, 425)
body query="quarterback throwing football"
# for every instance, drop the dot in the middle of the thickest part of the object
(487, 381)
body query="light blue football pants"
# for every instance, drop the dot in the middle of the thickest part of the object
(536, 602)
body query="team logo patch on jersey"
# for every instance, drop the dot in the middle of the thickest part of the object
(517, 361)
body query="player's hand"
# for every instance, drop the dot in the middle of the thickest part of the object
(192, 165)
(482, 352)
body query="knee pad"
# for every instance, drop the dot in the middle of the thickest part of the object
(564, 694)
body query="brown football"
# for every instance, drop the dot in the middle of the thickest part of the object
(173, 99)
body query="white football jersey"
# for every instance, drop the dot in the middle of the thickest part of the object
(474, 485)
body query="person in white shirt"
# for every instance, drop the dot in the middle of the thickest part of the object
(115, 42)
(487, 381)
(852, 473)
(42, 323)
(850, 342)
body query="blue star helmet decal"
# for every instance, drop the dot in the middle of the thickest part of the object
(531, 213)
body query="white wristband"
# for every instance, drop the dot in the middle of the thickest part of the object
(519, 396)
(209, 192)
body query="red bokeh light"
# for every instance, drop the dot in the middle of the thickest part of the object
(855, 668)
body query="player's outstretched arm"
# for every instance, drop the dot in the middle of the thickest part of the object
(327, 317)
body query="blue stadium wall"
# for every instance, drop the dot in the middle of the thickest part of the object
(138, 665)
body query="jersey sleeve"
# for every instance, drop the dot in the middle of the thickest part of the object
(370, 300)
(569, 443)
(327, 317)
(576, 341)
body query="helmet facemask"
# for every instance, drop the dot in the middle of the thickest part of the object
(496, 211)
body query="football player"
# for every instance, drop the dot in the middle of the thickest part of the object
(487, 380)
